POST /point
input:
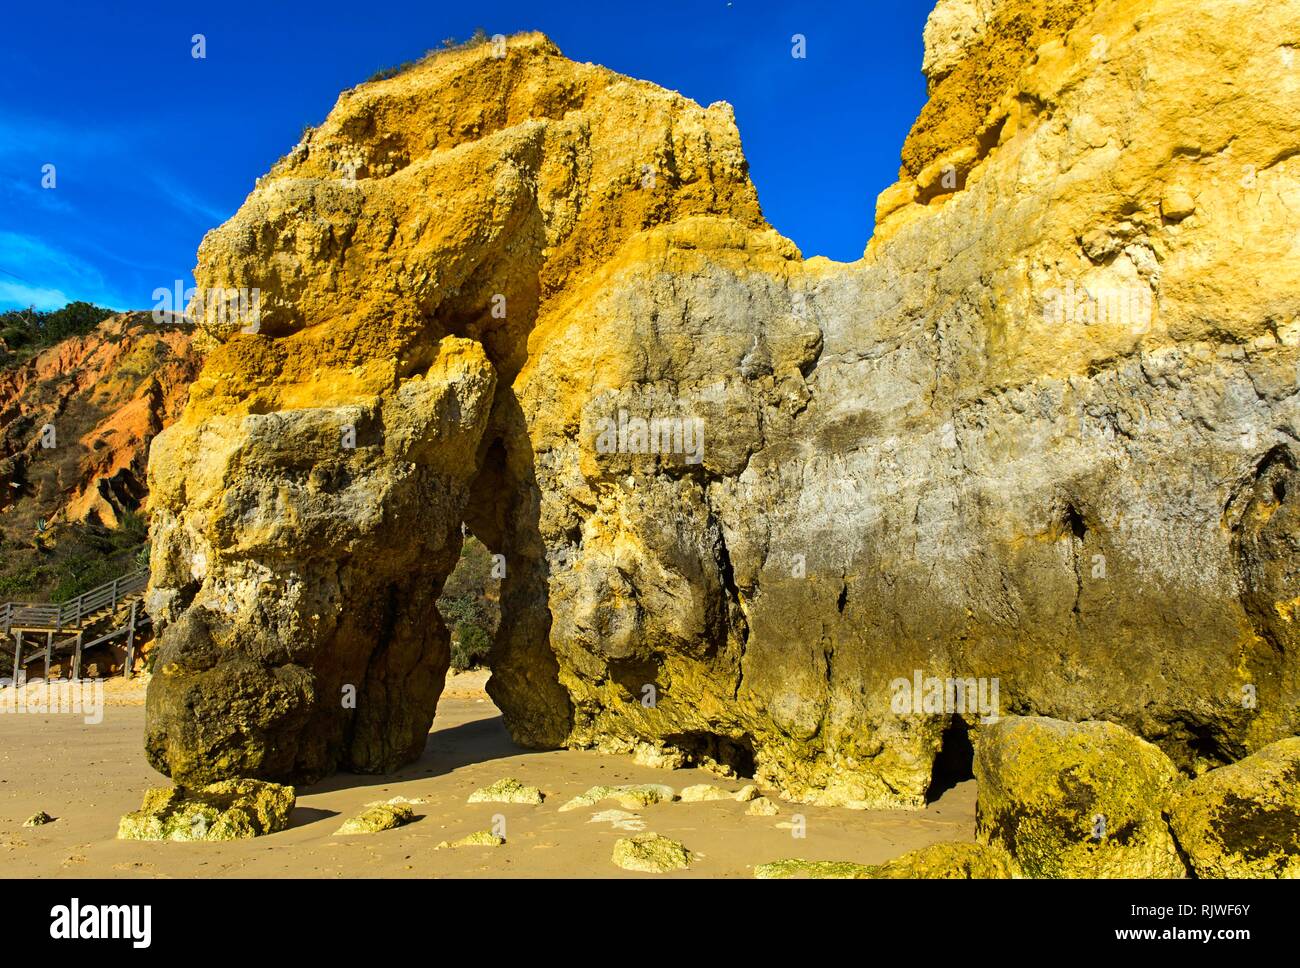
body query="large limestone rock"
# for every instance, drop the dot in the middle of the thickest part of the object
(1076, 799)
(293, 553)
(1243, 820)
(1040, 436)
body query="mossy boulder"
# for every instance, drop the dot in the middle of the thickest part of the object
(507, 790)
(1243, 820)
(377, 817)
(651, 854)
(1075, 799)
(39, 819)
(228, 810)
(950, 861)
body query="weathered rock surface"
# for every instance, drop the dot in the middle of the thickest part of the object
(1042, 434)
(227, 810)
(1076, 799)
(1243, 820)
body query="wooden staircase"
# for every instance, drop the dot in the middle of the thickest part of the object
(65, 627)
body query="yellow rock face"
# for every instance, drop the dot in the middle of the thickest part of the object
(1037, 440)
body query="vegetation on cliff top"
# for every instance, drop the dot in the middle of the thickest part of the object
(24, 332)
(480, 36)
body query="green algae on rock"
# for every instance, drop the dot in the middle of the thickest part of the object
(507, 790)
(1075, 799)
(948, 861)
(1243, 820)
(796, 868)
(379, 816)
(651, 854)
(227, 810)
(39, 819)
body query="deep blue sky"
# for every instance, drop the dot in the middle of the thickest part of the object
(152, 147)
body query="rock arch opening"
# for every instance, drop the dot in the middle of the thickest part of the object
(955, 761)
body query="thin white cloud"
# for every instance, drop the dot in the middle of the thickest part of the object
(14, 295)
(33, 194)
(34, 272)
(53, 140)
(184, 200)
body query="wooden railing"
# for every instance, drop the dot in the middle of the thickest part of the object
(76, 616)
(73, 615)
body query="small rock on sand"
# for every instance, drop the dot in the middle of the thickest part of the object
(629, 796)
(480, 838)
(382, 816)
(702, 792)
(651, 854)
(507, 790)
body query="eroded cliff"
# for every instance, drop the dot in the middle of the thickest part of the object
(1041, 435)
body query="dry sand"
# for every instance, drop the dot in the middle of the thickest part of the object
(87, 776)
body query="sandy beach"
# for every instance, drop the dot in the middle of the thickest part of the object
(87, 775)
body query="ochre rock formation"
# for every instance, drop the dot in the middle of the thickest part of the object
(1041, 437)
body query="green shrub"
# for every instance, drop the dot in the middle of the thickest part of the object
(24, 582)
(470, 606)
(470, 647)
